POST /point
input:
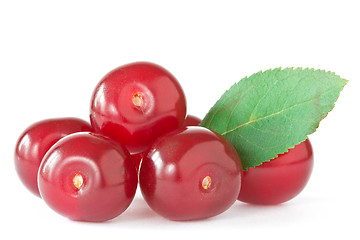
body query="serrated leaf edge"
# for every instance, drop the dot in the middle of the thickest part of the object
(280, 69)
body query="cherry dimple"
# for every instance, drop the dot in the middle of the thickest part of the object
(78, 181)
(206, 183)
(137, 99)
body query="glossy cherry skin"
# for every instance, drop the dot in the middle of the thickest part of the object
(192, 173)
(136, 103)
(279, 180)
(36, 140)
(191, 120)
(87, 177)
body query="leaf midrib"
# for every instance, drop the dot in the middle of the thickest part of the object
(273, 114)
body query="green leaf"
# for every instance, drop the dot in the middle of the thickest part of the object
(270, 112)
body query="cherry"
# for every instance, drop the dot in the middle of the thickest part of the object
(191, 120)
(36, 140)
(279, 180)
(87, 177)
(191, 173)
(136, 103)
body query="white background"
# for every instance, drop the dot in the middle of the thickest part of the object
(53, 54)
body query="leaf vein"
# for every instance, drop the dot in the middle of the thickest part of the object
(292, 90)
(273, 114)
(257, 104)
(238, 100)
(270, 132)
(252, 143)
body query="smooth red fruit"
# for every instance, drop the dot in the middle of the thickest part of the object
(36, 140)
(191, 120)
(87, 177)
(136, 103)
(279, 180)
(191, 173)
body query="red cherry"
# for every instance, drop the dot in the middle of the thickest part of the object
(87, 177)
(36, 140)
(279, 180)
(136, 103)
(191, 173)
(191, 120)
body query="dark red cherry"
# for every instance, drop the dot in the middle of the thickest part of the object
(279, 180)
(136, 103)
(36, 140)
(191, 120)
(191, 173)
(87, 177)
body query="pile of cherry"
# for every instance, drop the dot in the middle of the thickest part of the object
(139, 132)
